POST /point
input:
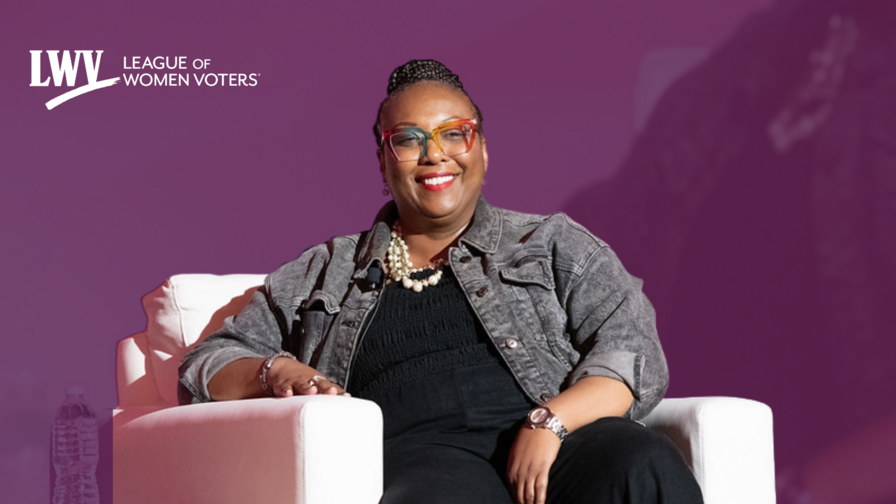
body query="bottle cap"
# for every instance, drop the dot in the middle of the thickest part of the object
(77, 390)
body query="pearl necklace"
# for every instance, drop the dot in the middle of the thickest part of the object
(399, 265)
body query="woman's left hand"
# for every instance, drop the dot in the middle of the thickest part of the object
(531, 457)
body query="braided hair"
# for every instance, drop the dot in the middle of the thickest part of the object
(416, 71)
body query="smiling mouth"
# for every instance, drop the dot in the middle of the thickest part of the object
(436, 181)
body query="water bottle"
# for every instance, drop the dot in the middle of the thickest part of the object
(75, 450)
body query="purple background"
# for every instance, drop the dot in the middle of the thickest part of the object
(109, 194)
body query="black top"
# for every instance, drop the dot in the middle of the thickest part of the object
(416, 334)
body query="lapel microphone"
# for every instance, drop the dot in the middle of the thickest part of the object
(375, 276)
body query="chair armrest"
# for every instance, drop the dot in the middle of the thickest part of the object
(727, 442)
(133, 370)
(298, 450)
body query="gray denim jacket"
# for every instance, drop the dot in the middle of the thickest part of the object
(554, 299)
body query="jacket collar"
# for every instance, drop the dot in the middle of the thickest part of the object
(485, 231)
(483, 234)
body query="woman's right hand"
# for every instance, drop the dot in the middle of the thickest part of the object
(288, 377)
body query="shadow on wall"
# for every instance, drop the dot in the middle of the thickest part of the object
(759, 206)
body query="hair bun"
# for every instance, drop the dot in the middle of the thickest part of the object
(422, 70)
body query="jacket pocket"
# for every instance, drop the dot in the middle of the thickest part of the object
(316, 315)
(534, 302)
(327, 302)
(533, 272)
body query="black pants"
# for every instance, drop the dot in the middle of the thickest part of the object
(448, 439)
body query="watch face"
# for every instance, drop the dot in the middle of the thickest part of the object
(538, 415)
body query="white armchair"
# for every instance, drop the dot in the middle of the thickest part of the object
(325, 449)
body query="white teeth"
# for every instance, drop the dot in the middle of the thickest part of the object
(438, 180)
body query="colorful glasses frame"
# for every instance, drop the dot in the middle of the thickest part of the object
(386, 136)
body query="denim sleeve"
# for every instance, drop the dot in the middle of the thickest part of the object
(255, 332)
(613, 326)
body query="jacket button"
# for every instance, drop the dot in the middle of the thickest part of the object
(511, 343)
(466, 259)
(482, 291)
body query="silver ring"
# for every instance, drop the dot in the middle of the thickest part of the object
(313, 381)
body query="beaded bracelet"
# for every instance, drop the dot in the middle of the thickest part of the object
(263, 376)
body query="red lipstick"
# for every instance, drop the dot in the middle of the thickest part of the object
(436, 181)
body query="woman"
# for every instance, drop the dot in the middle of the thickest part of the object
(520, 354)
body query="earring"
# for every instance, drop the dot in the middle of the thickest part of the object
(385, 189)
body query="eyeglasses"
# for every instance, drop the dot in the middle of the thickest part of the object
(453, 138)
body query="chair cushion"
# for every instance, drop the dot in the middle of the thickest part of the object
(182, 312)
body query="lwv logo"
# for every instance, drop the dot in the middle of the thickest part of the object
(64, 69)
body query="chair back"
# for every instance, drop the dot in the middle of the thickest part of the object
(180, 313)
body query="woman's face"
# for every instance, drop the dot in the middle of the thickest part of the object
(426, 105)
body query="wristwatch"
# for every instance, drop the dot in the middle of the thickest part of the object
(542, 418)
